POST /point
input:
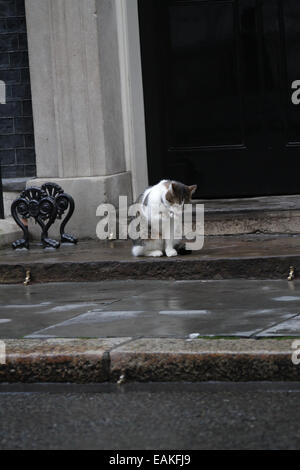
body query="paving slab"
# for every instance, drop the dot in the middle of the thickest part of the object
(27, 309)
(241, 308)
(289, 327)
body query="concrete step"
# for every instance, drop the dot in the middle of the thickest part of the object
(271, 214)
(261, 215)
(227, 257)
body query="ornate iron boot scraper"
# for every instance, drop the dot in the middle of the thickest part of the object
(45, 205)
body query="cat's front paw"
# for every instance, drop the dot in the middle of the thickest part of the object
(171, 252)
(155, 254)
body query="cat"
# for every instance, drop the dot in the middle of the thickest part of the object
(164, 201)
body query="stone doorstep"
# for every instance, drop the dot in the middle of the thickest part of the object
(246, 257)
(267, 215)
(273, 267)
(269, 222)
(147, 360)
(218, 223)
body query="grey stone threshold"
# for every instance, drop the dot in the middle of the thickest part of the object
(261, 215)
(253, 204)
(270, 214)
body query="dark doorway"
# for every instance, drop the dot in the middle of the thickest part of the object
(218, 77)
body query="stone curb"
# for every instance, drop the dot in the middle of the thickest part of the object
(147, 360)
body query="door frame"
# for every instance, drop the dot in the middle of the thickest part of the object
(132, 93)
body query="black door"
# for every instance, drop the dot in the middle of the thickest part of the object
(221, 94)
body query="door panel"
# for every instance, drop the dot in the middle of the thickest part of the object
(290, 25)
(203, 34)
(217, 84)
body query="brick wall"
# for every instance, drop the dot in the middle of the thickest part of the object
(17, 154)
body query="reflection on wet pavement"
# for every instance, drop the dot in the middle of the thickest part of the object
(244, 308)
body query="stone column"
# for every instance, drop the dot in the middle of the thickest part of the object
(77, 103)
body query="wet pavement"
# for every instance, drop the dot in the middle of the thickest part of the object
(243, 308)
(151, 416)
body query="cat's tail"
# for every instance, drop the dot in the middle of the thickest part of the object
(138, 250)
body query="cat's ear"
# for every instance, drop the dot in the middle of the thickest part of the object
(193, 189)
(173, 188)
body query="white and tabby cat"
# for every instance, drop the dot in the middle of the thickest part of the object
(165, 200)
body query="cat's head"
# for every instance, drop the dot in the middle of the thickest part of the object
(179, 194)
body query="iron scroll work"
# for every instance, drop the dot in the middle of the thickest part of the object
(45, 205)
